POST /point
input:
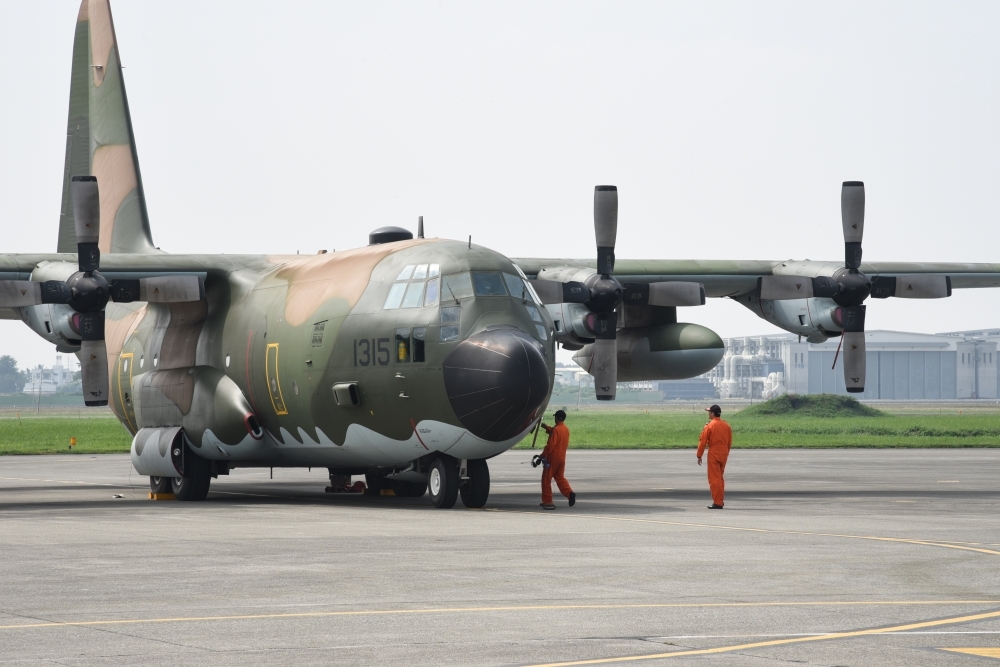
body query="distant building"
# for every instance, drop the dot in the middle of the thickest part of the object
(692, 389)
(900, 366)
(50, 379)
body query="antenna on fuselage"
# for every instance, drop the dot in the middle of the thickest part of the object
(420, 227)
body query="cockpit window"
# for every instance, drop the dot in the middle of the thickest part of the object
(488, 283)
(408, 290)
(527, 284)
(414, 295)
(395, 296)
(433, 294)
(516, 286)
(457, 286)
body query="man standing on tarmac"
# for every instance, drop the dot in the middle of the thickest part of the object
(554, 458)
(717, 436)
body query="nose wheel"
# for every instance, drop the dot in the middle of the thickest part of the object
(476, 489)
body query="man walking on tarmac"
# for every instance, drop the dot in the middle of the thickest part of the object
(717, 436)
(554, 458)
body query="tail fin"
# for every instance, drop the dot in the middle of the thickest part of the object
(99, 139)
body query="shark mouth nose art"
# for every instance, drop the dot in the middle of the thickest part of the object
(496, 381)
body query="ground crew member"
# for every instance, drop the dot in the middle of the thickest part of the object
(717, 436)
(554, 457)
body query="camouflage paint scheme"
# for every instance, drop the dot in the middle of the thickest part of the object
(251, 347)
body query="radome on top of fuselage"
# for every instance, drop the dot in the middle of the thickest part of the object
(385, 317)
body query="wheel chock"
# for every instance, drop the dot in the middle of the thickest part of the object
(387, 492)
(161, 496)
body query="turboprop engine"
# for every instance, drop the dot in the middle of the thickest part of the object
(662, 352)
(815, 319)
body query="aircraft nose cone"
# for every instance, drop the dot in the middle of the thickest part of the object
(496, 382)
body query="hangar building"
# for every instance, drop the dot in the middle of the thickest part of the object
(901, 366)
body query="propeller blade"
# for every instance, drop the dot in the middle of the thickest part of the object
(21, 293)
(854, 361)
(94, 372)
(606, 226)
(160, 289)
(604, 368)
(911, 287)
(93, 357)
(664, 294)
(853, 321)
(780, 288)
(852, 213)
(87, 219)
(550, 291)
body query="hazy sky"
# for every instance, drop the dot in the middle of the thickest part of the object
(727, 127)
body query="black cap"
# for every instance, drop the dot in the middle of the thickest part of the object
(560, 416)
(715, 410)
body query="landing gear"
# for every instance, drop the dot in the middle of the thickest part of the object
(160, 485)
(409, 489)
(374, 484)
(196, 480)
(476, 489)
(442, 481)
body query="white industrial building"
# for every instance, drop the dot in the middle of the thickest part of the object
(900, 366)
(50, 379)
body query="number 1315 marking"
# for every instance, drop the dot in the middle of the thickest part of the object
(371, 352)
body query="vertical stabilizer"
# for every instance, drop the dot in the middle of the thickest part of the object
(99, 139)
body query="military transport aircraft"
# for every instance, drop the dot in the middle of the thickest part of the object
(412, 360)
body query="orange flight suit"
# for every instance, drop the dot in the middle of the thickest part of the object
(718, 437)
(555, 454)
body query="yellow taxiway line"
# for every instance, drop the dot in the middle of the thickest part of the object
(508, 608)
(783, 642)
(877, 538)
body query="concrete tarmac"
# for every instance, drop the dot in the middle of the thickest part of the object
(830, 557)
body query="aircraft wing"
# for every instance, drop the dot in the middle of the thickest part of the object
(727, 278)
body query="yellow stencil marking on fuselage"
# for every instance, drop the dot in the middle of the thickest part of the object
(274, 390)
(127, 357)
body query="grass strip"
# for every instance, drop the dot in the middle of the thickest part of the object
(619, 429)
(51, 435)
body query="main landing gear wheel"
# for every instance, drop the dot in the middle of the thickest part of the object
(196, 480)
(476, 489)
(442, 482)
(160, 485)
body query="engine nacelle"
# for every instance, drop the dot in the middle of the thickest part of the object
(814, 319)
(53, 321)
(663, 352)
(200, 399)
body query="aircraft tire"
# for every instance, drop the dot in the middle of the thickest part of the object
(409, 489)
(442, 482)
(476, 490)
(196, 480)
(160, 485)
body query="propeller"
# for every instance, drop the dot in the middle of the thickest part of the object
(87, 291)
(603, 293)
(849, 287)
